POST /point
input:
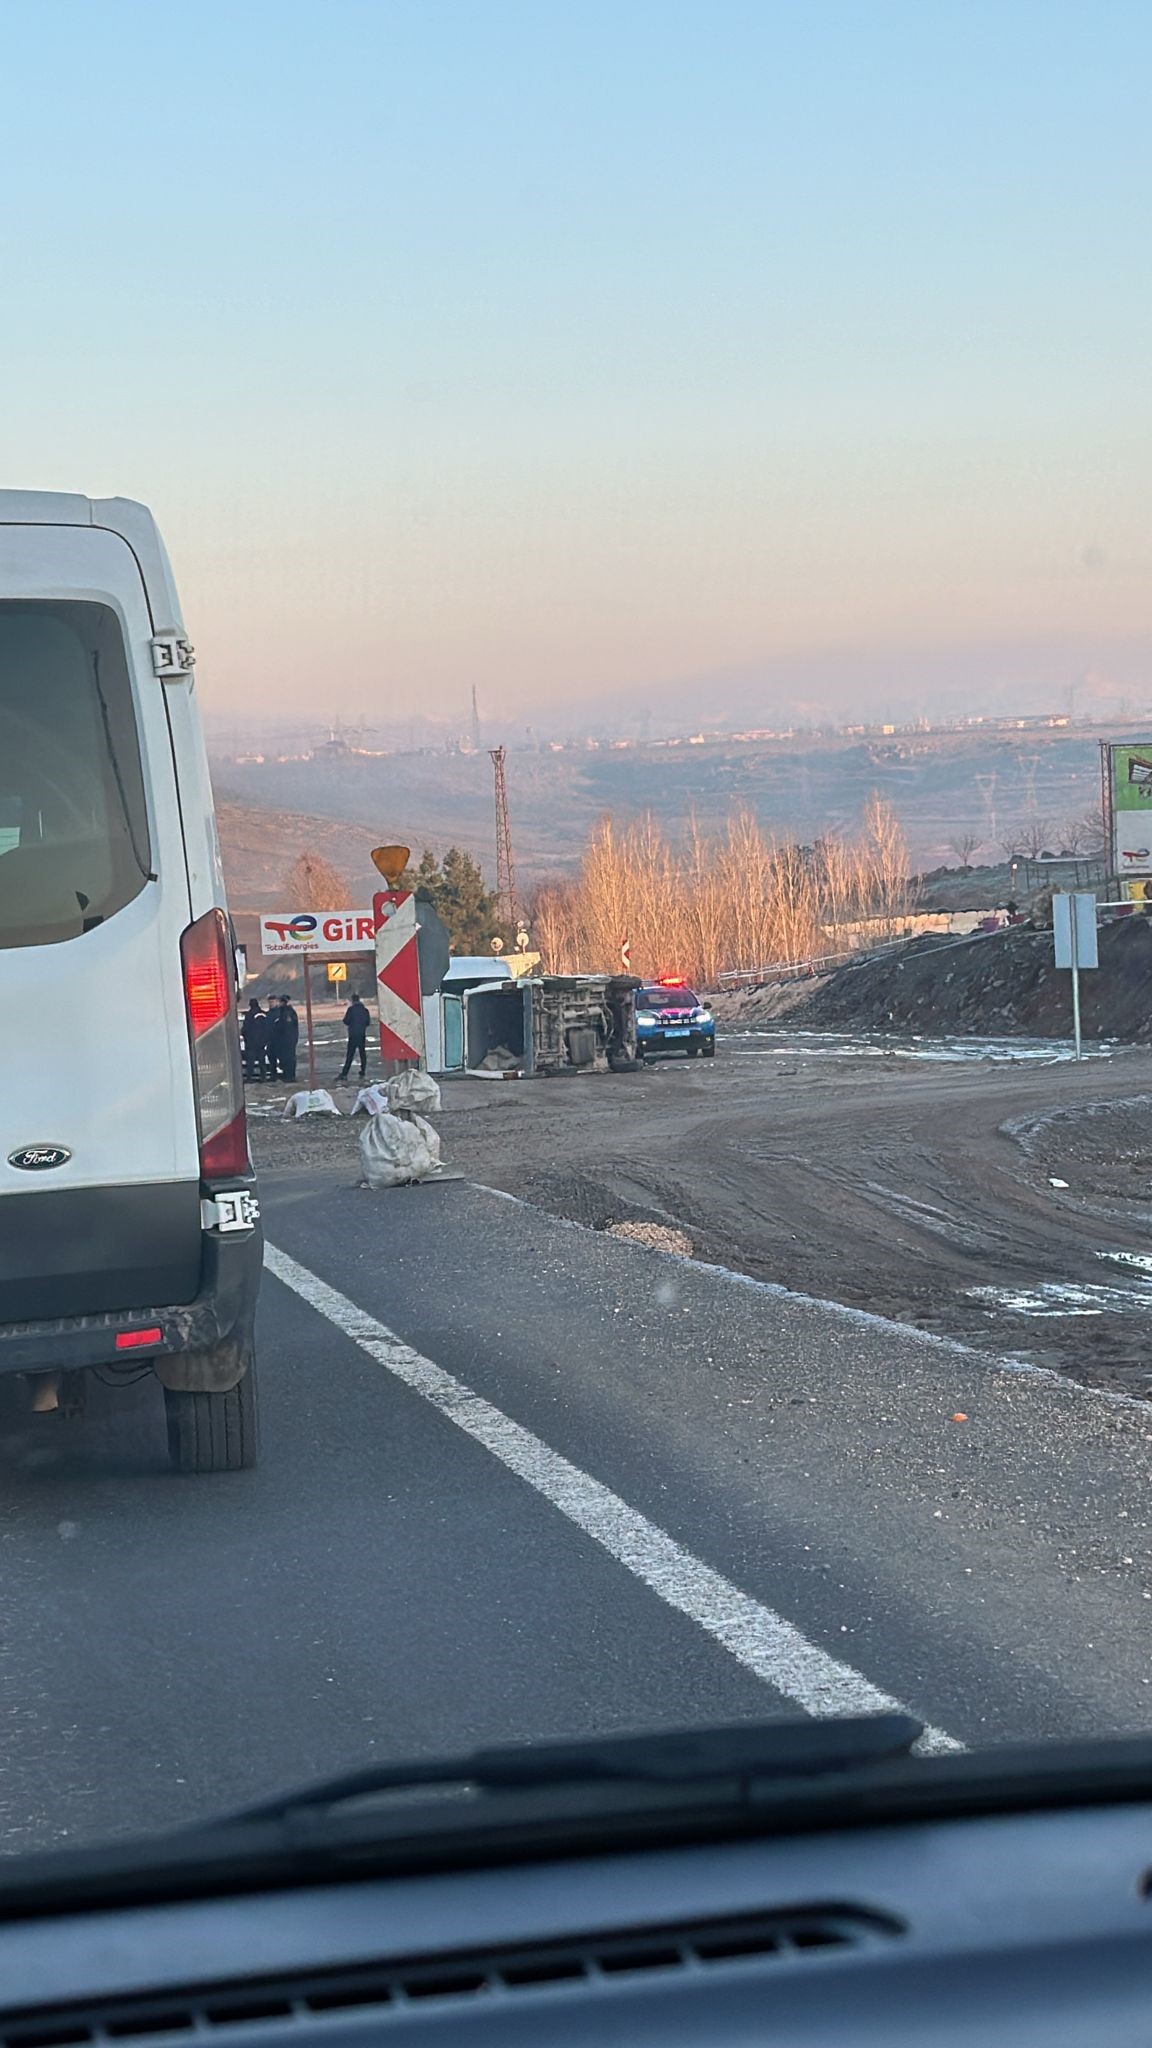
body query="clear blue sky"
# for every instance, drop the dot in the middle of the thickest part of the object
(583, 350)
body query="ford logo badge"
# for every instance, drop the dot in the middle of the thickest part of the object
(39, 1158)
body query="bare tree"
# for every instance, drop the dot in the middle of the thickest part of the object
(964, 845)
(1036, 837)
(737, 898)
(554, 919)
(1084, 834)
(312, 883)
(884, 860)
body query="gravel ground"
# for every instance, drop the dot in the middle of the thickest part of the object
(1003, 1201)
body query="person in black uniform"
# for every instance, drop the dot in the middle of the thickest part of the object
(254, 1033)
(356, 1021)
(283, 1036)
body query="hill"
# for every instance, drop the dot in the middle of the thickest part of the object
(259, 846)
(940, 784)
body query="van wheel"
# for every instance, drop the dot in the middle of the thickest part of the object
(214, 1432)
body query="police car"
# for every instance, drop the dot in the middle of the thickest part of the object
(671, 1018)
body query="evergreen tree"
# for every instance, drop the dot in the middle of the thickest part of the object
(457, 891)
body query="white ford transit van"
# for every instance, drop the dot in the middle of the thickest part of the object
(129, 1224)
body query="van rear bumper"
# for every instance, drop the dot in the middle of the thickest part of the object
(222, 1308)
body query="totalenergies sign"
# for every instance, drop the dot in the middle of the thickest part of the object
(318, 931)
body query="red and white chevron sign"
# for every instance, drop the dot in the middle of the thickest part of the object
(398, 975)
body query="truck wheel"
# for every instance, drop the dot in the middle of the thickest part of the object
(214, 1432)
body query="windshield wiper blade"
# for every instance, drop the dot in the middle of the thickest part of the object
(746, 1750)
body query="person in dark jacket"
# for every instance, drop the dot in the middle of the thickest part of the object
(357, 1018)
(283, 1035)
(254, 1034)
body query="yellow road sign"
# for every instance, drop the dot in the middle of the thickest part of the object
(391, 861)
(337, 970)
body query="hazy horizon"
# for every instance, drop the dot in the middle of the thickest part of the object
(618, 356)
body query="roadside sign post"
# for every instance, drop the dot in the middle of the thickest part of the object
(337, 970)
(308, 1018)
(398, 979)
(398, 990)
(1076, 947)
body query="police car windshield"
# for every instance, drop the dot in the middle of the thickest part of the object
(668, 998)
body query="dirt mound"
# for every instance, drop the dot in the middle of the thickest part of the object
(762, 1005)
(998, 982)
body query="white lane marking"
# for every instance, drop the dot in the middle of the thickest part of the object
(771, 1647)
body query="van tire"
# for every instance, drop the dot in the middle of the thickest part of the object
(214, 1432)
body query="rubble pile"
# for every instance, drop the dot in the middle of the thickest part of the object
(1001, 983)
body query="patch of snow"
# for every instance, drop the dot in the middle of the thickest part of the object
(1063, 1298)
(777, 1043)
(1142, 1261)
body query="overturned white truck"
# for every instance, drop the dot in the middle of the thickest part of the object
(484, 1020)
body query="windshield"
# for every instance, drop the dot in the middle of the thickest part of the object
(575, 884)
(668, 999)
(73, 828)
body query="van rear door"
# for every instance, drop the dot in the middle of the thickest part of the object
(99, 1166)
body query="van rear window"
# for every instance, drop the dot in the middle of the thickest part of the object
(73, 825)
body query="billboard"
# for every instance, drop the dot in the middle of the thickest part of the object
(318, 931)
(1130, 780)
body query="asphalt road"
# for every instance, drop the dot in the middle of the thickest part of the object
(650, 1493)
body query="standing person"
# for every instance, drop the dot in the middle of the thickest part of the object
(283, 1034)
(356, 1021)
(254, 1033)
(273, 1041)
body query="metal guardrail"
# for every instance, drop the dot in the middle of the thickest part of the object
(822, 963)
(798, 970)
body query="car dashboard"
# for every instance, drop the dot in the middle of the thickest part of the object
(1032, 1928)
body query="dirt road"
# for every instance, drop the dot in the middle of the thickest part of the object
(905, 1182)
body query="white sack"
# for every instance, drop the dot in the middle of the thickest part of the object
(396, 1150)
(412, 1089)
(370, 1100)
(311, 1102)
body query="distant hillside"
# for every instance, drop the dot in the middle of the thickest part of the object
(940, 785)
(260, 846)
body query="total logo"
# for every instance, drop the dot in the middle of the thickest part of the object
(321, 927)
(295, 928)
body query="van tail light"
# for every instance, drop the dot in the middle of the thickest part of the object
(215, 1042)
